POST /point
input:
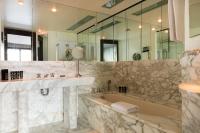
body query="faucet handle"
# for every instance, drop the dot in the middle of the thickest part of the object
(52, 75)
(38, 75)
(46, 75)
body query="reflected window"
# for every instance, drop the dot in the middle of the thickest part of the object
(18, 45)
(109, 50)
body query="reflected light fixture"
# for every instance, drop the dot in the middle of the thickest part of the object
(54, 9)
(166, 31)
(140, 26)
(103, 37)
(41, 32)
(20, 2)
(153, 29)
(159, 20)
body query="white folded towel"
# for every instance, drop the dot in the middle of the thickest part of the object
(125, 107)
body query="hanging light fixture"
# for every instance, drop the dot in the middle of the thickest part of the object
(20, 2)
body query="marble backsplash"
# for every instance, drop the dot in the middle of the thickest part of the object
(155, 81)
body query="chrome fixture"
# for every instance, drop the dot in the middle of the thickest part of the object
(111, 3)
(57, 51)
(62, 76)
(44, 92)
(46, 75)
(52, 75)
(38, 75)
(77, 54)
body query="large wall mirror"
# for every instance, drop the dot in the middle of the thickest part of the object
(46, 30)
(194, 18)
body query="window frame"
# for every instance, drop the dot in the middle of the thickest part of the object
(22, 33)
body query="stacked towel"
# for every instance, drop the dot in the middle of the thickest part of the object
(125, 107)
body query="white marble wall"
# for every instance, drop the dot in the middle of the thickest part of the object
(190, 112)
(41, 109)
(190, 100)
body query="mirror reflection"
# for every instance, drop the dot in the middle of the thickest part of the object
(50, 30)
(109, 50)
(194, 18)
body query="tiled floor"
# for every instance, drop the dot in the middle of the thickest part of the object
(59, 128)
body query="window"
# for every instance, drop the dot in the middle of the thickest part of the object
(18, 45)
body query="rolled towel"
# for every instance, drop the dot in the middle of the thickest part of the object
(125, 107)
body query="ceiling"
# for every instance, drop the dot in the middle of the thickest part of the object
(96, 5)
(34, 15)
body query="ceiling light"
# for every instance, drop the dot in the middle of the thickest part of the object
(41, 32)
(20, 2)
(140, 26)
(159, 20)
(166, 31)
(103, 37)
(153, 29)
(53, 9)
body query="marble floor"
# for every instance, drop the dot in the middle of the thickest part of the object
(59, 128)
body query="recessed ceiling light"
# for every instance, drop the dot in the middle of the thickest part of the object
(140, 26)
(41, 32)
(54, 9)
(159, 20)
(153, 29)
(20, 2)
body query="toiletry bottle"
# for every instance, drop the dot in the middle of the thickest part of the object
(4, 74)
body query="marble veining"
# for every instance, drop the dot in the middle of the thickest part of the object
(190, 91)
(155, 81)
(191, 108)
(105, 120)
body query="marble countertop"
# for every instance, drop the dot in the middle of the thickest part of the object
(29, 84)
(193, 86)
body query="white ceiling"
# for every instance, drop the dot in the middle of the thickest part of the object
(40, 15)
(18, 16)
(96, 5)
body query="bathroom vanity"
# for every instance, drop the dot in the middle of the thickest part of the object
(23, 87)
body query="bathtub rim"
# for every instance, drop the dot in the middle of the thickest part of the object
(134, 116)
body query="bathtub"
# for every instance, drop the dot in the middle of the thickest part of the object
(151, 117)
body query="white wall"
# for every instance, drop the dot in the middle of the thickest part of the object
(194, 43)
